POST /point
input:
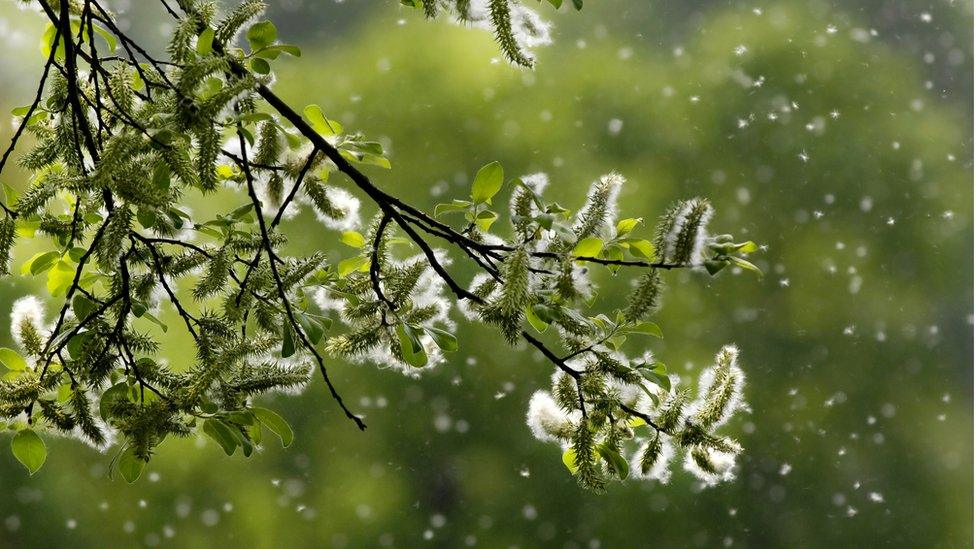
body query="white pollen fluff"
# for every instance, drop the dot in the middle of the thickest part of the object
(661, 469)
(722, 464)
(545, 418)
(347, 204)
(30, 310)
(528, 28)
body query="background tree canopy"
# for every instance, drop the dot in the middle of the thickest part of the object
(837, 135)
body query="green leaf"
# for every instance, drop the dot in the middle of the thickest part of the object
(569, 460)
(130, 466)
(82, 307)
(713, 266)
(272, 52)
(640, 248)
(114, 393)
(410, 347)
(353, 238)
(205, 41)
(657, 377)
(59, 278)
(287, 341)
(537, 323)
(444, 340)
(588, 247)
(646, 328)
(351, 265)
(616, 461)
(746, 265)
(261, 35)
(745, 247)
(39, 263)
(76, 345)
(456, 206)
(322, 125)
(635, 422)
(221, 433)
(29, 450)
(312, 328)
(276, 424)
(12, 359)
(260, 66)
(107, 36)
(485, 220)
(152, 318)
(624, 226)
(487, 183)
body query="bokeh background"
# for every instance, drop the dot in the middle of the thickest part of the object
(836, 133)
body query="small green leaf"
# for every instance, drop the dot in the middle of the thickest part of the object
(59, 278)
(12, 359)
(221, 433)
(640, 248)
(29, 450)
(616, 461)
(569, 460)
(130, 466)
(646, 328)
(444, 340)
(745, 247)
(588, 247)
(116, 392)
(287, 341)
(312, 328)
(351, 265)
(485, 220)
(322, 125)
(353, 238)
(624, 226)
(487, 183)
(635, 422)
(260, 66)
(39, 263)
(713, 266)
(107, 36)
(537, 323)
(152, 318)
(261, 35)
(205, 41)
(410, 347)
(276, 424)
(454, 207)
(746, 265)
(656, 377)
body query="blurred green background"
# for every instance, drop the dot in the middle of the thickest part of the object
(836, 133)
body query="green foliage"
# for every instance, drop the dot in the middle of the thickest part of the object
(112, 174)
(29, 450)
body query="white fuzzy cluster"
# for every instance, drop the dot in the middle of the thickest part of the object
(27, 310)
(345, 202)
(661, 469)
(726, 358)
(722, 463)
(430, 290)
(546, 419)
(537, 182)
(528, 28)
(612, 182)
(269, 205)
(551, 423)
(671, 240)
